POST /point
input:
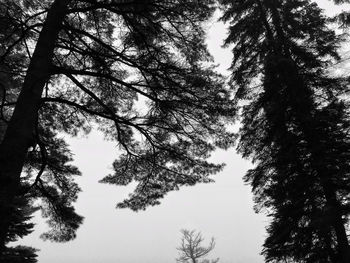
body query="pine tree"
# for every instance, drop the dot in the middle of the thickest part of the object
(22, 212)
(138, 70)
(295, 126)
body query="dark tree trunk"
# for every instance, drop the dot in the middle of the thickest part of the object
(20, 131)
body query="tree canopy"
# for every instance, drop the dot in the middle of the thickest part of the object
(138, 71)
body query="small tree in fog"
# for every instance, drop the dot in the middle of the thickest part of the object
(192, 249)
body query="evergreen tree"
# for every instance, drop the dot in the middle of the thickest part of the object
(22, 211)
(295, 126)
(135, 69)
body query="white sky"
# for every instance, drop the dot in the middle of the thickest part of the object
(223, 209)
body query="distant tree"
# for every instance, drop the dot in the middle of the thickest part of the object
(192, 250)
(295, 126)
(136, 70)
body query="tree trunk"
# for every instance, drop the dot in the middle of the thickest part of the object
(20, 131)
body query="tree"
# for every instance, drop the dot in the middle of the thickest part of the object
(136, 70)
(20, 227)
(295, 126)
(191, 248)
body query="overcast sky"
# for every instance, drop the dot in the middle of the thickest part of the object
(223, 209)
